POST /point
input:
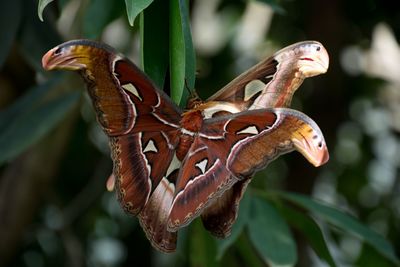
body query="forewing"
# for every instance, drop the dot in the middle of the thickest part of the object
(272, 82)
(140, 120)
(232, 148)
(125, 100)
(204, 175)
(258, 142)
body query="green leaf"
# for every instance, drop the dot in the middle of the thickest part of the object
(154, 36)
(176, 53)
(10, 17)
(134, 7)
(270, 234)
(190, 55)
(274, 5)
(344, 222)
(202, 246)
(27, 101)
(369, 257)
(311, 231)
(32, 124)
(238, 226)
(42, 4)
(98, 14)
(246, 251)
(182, 57)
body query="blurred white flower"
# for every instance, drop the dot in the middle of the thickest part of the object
(383, 59)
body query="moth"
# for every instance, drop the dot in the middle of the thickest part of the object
(173, 165)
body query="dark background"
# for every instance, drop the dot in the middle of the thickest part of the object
(54, 209)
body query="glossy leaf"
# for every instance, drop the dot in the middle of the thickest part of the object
(41, 6)
(154, 31)
(310, 229)
(345, 222)
(32, 124)
(190, 55)
(247, 252)
(134, 7)
(270, 234)
(182, 58)
(177, 53)
(237, 229)
(10, 17)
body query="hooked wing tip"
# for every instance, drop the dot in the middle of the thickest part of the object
(47, 59)
(316, 157)
(322, 158)
(325, 157)
(313, 58)
(309, 141)
(72, 55)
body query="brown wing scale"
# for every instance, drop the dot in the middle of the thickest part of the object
(271, 83)
(232, 148)
(169, 166)
(131, 111)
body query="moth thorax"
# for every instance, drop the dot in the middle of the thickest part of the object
(192, 121)
(182, 149)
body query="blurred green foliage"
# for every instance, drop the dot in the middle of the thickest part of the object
(55, 160)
